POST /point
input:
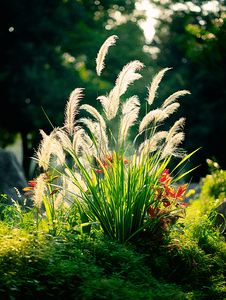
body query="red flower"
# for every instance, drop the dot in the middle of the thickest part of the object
(32, 186)
(180, 192)
(165, 177)
(183, 204)
(152, 211)
(110, 158)
(125, 161)
(169, 191)
(166, 203)
(107, 164)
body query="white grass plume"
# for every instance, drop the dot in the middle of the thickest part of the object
(179, 124)
(75, 177)
(98, 133)
(127, 76)
(102, 53)
(45, 149)
(127, 121)
(94, 113)
(170, 109)
(59, 200)
(152, 144)
(154, 85)
(105, 102)
(85, 145)
(171, 147)
(173, 97)
(59, 152)
(130, 104)
(63, 139)
(130, 110)
(72, 109)
(156, 115)
(76, 144)
(39, 190)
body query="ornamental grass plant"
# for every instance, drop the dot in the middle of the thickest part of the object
(109, 219)
(118, 182)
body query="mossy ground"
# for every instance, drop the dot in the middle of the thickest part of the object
(71, 265)
(82, 267)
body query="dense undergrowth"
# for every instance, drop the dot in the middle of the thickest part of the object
(72, 265)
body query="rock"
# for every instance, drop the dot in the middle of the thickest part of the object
(221, 217)
(192, 192)
(11, 176)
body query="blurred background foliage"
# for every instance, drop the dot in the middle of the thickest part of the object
(48, 48)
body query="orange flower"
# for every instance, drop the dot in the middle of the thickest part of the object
(32, 186)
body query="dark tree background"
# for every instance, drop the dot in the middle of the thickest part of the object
(48, 48)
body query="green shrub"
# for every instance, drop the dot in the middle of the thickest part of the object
(213, 192)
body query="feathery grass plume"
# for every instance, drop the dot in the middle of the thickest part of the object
(45, 149)
(102, 53)
(105, 102)
(171, 147)
(179, 124)
(71, 110)
(69, 182)
(87, 147)
(154, 85)
(99, 135)
(156, 115)
(152, 144)
(90, 109)
(127, 121)
(39, 190)
(130, 110)
(170, 109)
(76, 144)
(173, 97)
(58, 151)
(83, 145)
(63, 138)
(130, 104)
(127, 76)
